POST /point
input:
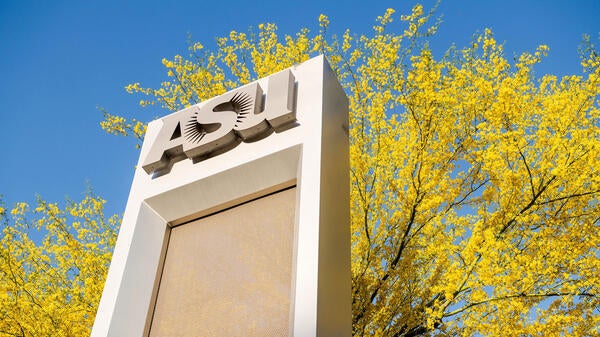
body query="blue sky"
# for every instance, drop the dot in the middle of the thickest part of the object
(59, 60)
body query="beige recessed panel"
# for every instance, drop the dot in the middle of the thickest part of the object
(230, 274)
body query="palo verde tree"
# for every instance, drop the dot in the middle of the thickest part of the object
(474, 183)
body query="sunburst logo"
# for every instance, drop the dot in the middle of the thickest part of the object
(241, 103)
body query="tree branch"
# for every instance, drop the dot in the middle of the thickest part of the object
(522, 295)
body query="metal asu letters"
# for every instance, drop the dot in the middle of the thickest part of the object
(219, 124)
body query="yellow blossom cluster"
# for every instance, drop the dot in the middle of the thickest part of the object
(118, 125)
(53, 263)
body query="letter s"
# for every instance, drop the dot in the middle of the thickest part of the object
(208, 130)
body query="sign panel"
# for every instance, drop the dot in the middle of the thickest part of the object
(232, 266)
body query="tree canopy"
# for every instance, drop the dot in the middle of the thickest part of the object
(474, 186)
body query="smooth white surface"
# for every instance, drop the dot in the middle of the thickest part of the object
(313, 155)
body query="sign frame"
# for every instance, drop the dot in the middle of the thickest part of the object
(312, 155)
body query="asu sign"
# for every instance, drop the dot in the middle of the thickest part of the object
(252, 242)
(219, 124)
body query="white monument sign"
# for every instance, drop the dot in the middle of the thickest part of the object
(237, 223)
